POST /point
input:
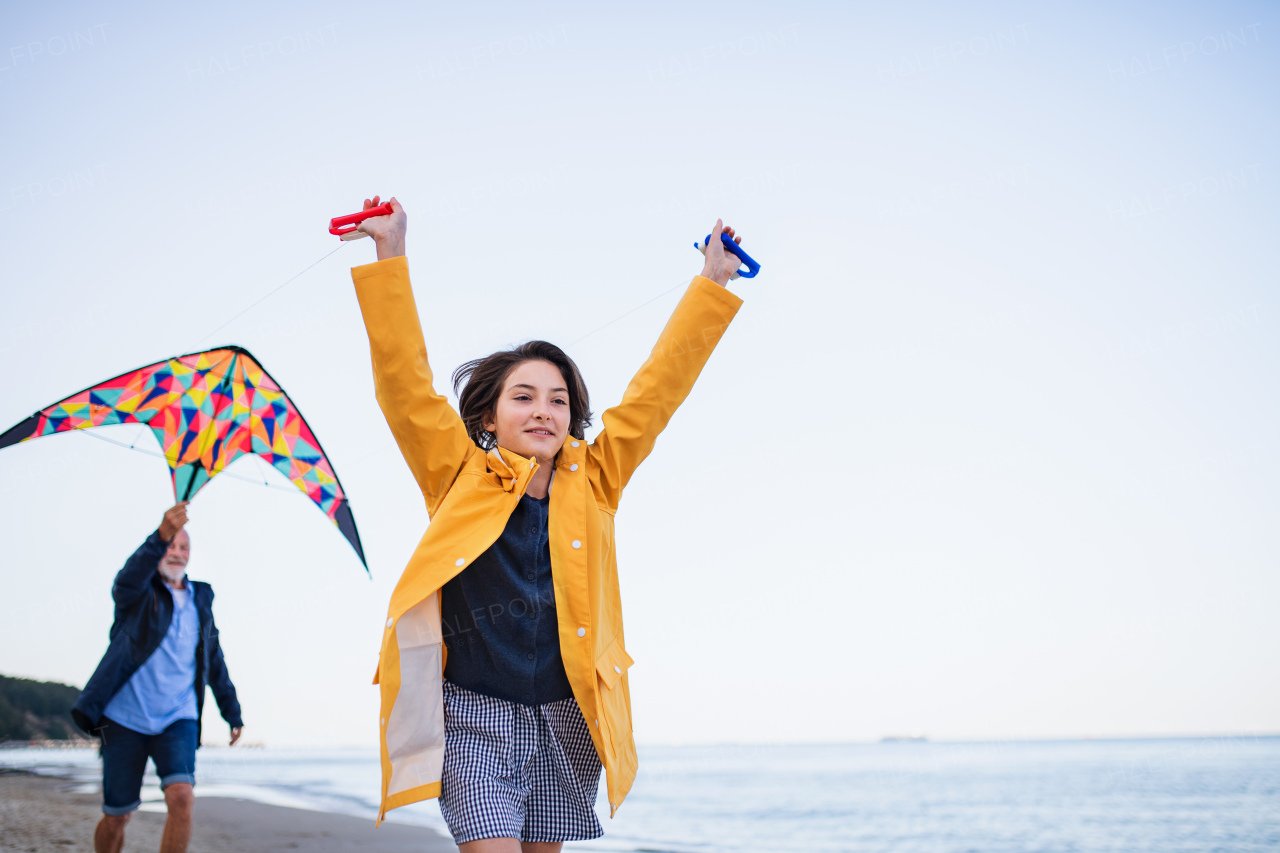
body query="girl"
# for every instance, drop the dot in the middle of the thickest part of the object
(503, 669)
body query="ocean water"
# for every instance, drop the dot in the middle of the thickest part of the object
(1187, 795)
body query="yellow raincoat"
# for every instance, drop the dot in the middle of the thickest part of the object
(470, 494)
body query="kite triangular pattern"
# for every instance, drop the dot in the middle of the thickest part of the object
(206, 410)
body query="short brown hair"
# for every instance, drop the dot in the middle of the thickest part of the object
(479, 382)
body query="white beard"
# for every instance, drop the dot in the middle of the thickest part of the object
(172, 574)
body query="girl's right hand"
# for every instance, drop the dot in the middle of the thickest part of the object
(387, 231)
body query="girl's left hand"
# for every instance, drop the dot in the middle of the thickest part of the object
(721, 264)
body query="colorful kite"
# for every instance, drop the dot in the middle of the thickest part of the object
(206, 410)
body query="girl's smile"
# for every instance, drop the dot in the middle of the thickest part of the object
(532, 413)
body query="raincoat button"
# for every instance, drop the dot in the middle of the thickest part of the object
(577, 544)
(529, 576)
(530, 655)
(573, 467)
(618, 670)
(390, 622)
(582, 632)
(459, 562)
(575, 444)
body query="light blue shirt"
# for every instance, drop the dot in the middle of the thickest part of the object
(163, 690)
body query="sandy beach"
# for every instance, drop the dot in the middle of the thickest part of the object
(39, 814)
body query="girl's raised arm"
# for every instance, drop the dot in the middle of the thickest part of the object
(631, 428)
(431, 436)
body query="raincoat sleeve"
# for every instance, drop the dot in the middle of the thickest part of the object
(431, 436)
(658, 389)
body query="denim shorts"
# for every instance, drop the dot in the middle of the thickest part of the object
(124, 760)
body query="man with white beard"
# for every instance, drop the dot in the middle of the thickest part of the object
(146, 697)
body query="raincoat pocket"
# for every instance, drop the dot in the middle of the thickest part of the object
(612, 696)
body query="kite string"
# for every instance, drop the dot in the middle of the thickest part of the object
(624, 314)
(132, 445)
(224, 472)
(297, 275)
(268, 295)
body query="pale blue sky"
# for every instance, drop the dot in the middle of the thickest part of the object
(988, 452)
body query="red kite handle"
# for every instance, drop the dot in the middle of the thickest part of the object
(335, 224)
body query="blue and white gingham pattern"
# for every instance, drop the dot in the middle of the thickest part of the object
(517, 771)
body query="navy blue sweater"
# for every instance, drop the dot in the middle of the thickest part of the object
(498, 616)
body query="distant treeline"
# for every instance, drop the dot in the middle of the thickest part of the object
(36, 710)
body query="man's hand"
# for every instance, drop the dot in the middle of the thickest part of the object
(387, 231)
(720, 264)
(235, 735)
(175, 518)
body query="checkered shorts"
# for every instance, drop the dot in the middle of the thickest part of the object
(517, 771)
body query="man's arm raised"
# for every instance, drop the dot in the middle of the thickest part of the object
(131, 581)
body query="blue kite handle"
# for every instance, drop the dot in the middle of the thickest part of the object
(731, 246)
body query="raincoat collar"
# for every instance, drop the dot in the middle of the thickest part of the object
(513, 470)
(574, 450)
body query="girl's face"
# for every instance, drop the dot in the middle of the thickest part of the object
(532, 414)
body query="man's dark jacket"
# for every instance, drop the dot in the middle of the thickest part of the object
(144, 609)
